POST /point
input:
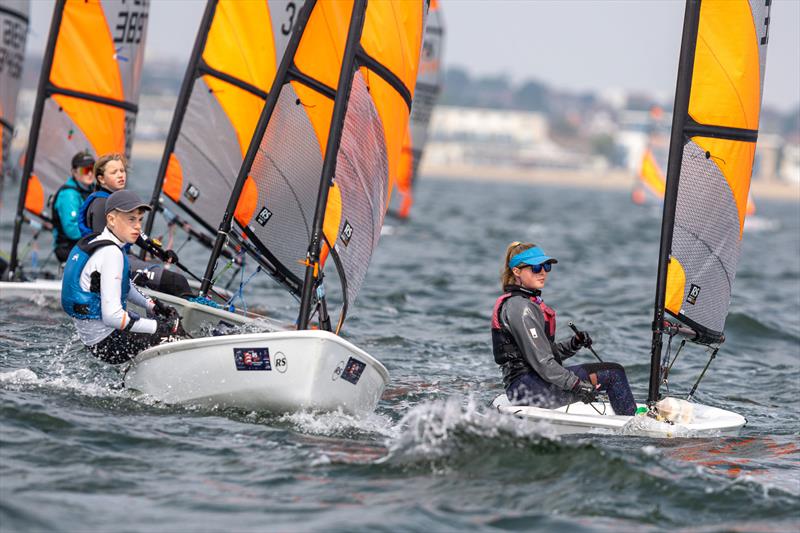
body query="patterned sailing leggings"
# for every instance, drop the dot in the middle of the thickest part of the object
(530, 389)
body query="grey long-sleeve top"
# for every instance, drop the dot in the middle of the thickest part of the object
(525, 320)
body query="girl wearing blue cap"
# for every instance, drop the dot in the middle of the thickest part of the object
(524, 345)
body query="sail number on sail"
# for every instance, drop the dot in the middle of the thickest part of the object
(131, 22)
(291, 10)
(12, 46)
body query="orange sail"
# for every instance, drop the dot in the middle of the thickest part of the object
(651, 180)
(429, 85)
(316, 176)
(224, 90)
(711, 157)
(88, 94)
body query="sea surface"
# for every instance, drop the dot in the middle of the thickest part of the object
(80, 453)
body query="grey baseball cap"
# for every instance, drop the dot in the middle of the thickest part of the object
(125, 201)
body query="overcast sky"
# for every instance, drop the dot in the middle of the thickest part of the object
(572, 44)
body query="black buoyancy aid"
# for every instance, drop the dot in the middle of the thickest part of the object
(504, 346)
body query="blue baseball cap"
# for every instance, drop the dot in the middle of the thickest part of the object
(531, 256)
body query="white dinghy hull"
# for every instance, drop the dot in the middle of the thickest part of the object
(278, 372)
(579, 418)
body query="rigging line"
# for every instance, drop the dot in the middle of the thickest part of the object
(6, 124)
(703, 373)
(242, 285)
(603, 402)
(677, 353)
(277, 270)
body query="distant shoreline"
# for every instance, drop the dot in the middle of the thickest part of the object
(610, 179)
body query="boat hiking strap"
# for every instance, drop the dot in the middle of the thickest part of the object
(703, 373)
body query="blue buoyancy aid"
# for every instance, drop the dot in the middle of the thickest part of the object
(80, 303)
(61, 237)
(83, 224)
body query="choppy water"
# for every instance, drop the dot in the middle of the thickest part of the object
(77, 452)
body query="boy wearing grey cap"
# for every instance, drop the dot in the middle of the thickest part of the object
(97, 286)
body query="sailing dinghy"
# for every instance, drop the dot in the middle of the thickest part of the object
(92, 107)
(426, 93)
(312, 188)
(712, 145)
(87, 100)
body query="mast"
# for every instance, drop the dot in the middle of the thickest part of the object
(331, 153)
(261, 127)
(677, 141)
(180, 110)
(33, 139)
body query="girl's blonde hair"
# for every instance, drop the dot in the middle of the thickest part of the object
(102, 161)
(516, 247)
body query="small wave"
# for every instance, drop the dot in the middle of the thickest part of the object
(19, 376)
(440, 431)
(67, 368)
(745, 324)
(340, 424)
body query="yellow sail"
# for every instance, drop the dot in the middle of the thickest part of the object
(238, 47)
(91, 91)
(298, 127)
(429, 84)
(719, 142)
